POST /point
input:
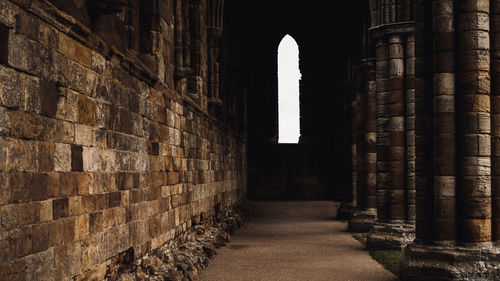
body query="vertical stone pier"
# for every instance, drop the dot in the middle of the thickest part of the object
(394, 227)
(457, 240)
(366, 206)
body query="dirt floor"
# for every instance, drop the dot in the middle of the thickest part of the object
(294, 241)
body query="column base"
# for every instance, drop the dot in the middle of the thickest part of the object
(450, 263)
(345, 211)
(390, 235)
(362, 221)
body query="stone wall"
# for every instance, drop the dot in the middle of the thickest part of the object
(101, 147)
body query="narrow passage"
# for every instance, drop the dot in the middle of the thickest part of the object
(294, 241)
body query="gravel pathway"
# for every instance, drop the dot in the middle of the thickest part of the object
(294, 241)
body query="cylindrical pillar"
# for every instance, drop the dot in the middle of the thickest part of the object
(495, 117)
(397, 129)
(393, 228)
(424, 182)
(473, 124)
(383, 140)
(360, 141)
(363, 217)
(410, 127)
(371, 138)
(458, 246)
(444, 121)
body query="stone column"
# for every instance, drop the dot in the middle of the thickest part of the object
(383, 145)
(362, 219)
(473, 126)
(393, 228)
(495, 117)
(179, 21)
(354, 151)
(348, 206)
(410, 126)
(215, 32)
(459, 245)
(444, 121)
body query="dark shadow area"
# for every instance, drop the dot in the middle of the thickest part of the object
(318, 167)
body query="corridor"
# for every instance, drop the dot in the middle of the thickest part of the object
(294, 241)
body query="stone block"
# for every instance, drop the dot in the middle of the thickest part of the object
(173, 178)
(40, 237)
(46, 211)
(26, 214)
(477, 208)
(68, 184)
(476, 230)
(97, 222)
(83, 55)
(11, 95)
(76, 158)
(21, 156)
(75, 206)
(25, 125)
(114, 199)
(86, 111)
(5, 251)
(47, 35)
(82, 226)
(83, 183)
(4, 43)
(40, 266)
(53, 185)
(5, 189)
(62, 157)
(67, 259)
(21, 185)
(45, 156)
(98, 62)
(138, 232)
(14, 270)
(83, 135)
(66, 105)
(49, 93)
(90, 251)
(28, 55)
(8, 14)
(60, 208)
(21, 240)
(40, 187)
(9, 214)
(66, 45)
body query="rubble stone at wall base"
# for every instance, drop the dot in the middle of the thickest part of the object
(362, 221)
(451, 263)
(181, 258)
(390, 235)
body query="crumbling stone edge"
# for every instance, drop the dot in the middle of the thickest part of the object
(183, 257)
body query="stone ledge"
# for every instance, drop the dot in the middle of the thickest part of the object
(451, 262)
(392, 28)
(390, 235)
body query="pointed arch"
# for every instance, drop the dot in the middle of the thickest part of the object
(288, 91)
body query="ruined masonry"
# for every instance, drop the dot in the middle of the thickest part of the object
(111, 137)
(133, 131)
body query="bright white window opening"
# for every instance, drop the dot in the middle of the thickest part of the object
(288, 91)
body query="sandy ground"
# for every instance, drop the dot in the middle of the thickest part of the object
(294, 241)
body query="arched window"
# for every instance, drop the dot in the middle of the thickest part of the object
(288, 91)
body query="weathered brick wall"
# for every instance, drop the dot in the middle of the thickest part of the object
(98, 151)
